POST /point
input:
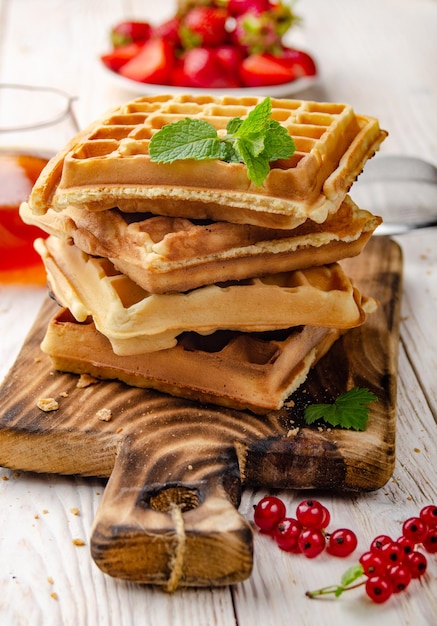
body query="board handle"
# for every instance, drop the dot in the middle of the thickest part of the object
(165, 521)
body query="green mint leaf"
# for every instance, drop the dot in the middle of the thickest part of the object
(233, 125)
(277, 142)
(257, 122)
(349, 410)
(257, 165)
(186, 139)
(255, 141)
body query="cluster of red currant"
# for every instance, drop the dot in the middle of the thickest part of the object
(387, 567)
(390, 565)
(305, 533)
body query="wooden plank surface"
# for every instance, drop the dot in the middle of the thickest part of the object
(166, 455)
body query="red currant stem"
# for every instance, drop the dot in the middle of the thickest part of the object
(347, 582)
(335, 589)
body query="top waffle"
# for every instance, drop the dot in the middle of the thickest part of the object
(108, 165)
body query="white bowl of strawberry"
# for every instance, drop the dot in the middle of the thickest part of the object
(212, 46)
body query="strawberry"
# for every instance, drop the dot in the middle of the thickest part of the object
(128, 32)
(153, 64)
(298, 61)
(119, 56)
(238, 7)
(263, 69)
(230, 57)
(169, 30)
(200, 68)
(263, 32)
(204, 26)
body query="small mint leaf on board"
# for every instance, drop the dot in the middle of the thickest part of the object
(255, 141)
(349, 410)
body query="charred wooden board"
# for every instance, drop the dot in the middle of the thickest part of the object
(176, 468)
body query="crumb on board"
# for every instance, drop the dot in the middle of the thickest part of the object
(104, 415)
(54, 595)
(85, 380)
(64, 394)
(47, 404)
(74, 510)
(292, 432)
(78, 542)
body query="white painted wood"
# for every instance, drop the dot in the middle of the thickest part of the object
(380, 57)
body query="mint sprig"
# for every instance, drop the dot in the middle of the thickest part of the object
(349, 410)
(255, 141)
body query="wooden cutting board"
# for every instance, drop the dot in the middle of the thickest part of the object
(176, 468)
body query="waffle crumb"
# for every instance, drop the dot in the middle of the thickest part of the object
(50, 580)
(104, 415)
(54, 595)
(85, 380)
(292, 432)
(64, 394)
(74, 510)
(78, 542)
(47, 404)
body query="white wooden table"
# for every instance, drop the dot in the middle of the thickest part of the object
(381, 58)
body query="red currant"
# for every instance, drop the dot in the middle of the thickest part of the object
(416, 563)
(372, 563)
(326, 518)
(392, 553)
(406, 544)
(400, 577)
(379, 541)
(430, 542)
(429, 514)
(415, 529)
(268, 513)
(311, 514)
(311, 542)
(342, 542)
(287, 534)
(379, 589)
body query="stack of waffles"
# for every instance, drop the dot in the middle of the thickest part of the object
(187, 278)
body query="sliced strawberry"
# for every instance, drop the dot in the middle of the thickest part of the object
(153, 64)
(129, 32)
(298, 61)
(259, 70)
(200, 68)
(204, 26)
(120, 56)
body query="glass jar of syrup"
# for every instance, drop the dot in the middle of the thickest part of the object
(35, 122)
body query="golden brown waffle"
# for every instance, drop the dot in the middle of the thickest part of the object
(163, 254)
(108, 165)
(136, 322)
(243, 371)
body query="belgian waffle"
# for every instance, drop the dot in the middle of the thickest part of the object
(136, 321)
(163, 254)
(239, 370)
(108, 165)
